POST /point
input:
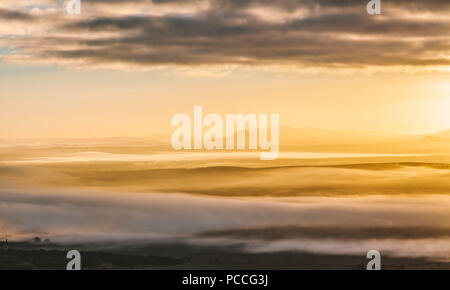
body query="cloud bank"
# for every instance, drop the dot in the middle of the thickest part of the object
(309, 33)
(265, 225)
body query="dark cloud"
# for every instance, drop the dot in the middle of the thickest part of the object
(329, 33)
(9, 15)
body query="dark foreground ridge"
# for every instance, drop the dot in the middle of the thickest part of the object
(179, 256)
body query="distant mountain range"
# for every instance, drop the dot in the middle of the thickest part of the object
(443, 134)
(307, 139)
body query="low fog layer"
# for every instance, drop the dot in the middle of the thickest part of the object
(342, 203)
(69, 217)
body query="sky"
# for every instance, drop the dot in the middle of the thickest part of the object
(124, 68)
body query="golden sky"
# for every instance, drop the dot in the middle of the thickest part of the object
(126, 67)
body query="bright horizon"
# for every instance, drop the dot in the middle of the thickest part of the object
(57, 82)
(67, 104)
